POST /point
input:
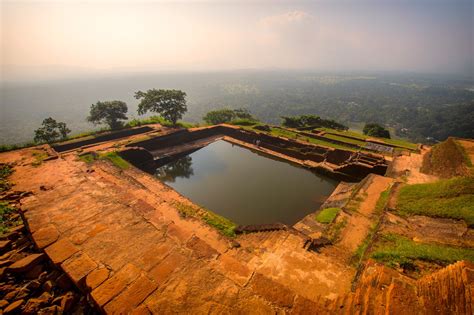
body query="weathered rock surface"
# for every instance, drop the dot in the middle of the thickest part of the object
(26, 263)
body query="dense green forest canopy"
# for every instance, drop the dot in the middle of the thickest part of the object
(419, 107)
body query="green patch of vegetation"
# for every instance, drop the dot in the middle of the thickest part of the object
(5, 171)
(115, 159)
(11, 147)
(382, 201)
(362, 248)
(346, 133)
(157, 120)
(327, 215)
(244, 122)
(359, 143)
(450, 198)
(5, 210)
(223, 225)
(395, 142)
(402, 143)
(88, 158)
(395, 249)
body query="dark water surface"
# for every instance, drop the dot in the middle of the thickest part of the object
(246, 187)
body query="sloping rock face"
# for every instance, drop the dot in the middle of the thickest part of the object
(382, 290)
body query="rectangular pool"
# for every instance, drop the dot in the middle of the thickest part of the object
(246, 187)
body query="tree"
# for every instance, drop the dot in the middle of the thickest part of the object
(51, 131)
(109, 112)
(225, 115)
(375, 130)
(219, 116)
(170, 104)
(311, 121)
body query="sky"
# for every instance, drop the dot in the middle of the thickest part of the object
(55, 38)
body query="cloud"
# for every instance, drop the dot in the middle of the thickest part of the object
(285, 18)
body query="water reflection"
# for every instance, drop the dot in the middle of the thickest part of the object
(179, 168)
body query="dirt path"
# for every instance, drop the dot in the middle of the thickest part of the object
(407, 168)
(360, 220)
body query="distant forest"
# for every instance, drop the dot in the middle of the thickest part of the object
(423, 108)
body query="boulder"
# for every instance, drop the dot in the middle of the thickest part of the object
(33, 306)
(13, 307)
(26, 264)
(48, 286)
(35, 272)
(67, 302)
(52, 310)
(4, 245)
(33, 285)
(3, 303)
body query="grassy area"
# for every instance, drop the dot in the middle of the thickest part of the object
(87, 158)
(362, 248)
(327, 215)
(396, 142)
(5, 210)
(449, 198)
(359, 143)
(401, 143)
(223, 225)
(395, 249)
(111, 156)
(115, 159)
(39, 157)
(157, 120)
(5, 171)
(382, 201)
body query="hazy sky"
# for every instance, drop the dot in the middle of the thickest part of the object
(54, 37)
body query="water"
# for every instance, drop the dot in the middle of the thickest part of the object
(246, 187)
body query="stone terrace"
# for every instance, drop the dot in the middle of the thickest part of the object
(119, 237)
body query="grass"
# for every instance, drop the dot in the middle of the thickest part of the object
(395, 142)
(113, 157)
(327, 215)
(223, 225)
(359, 143)
(39, 157)
(5, 171)
(244, 122)
(449, 198)
(87, 158)
(382, 201)
(354, 203)
(333, 233)
(395, 249)
(157, 120)
(467, 159)
(5, 210)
